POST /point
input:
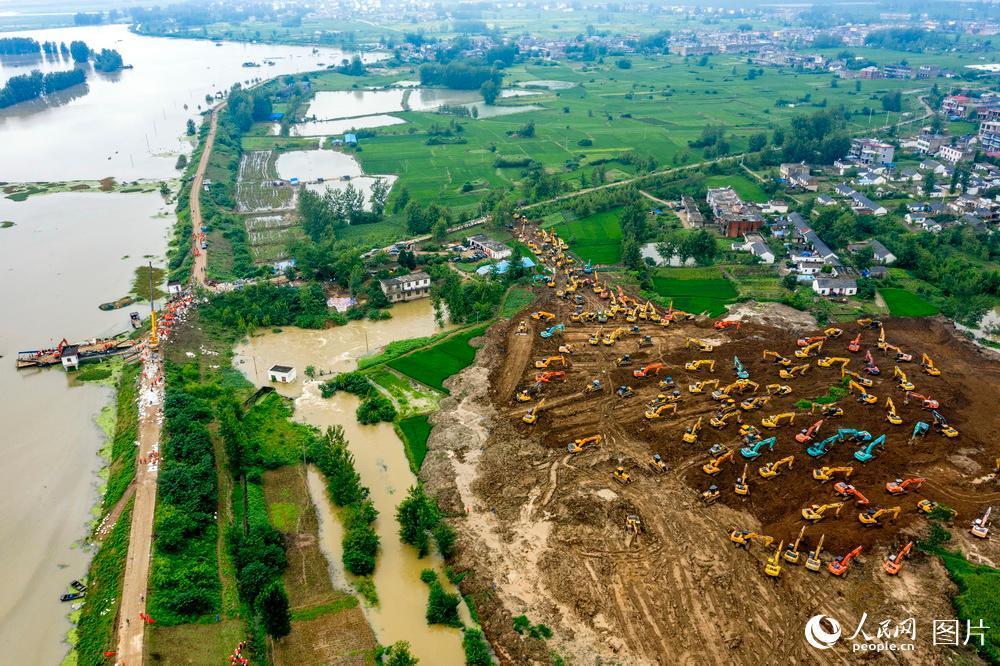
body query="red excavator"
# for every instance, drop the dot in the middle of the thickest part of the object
(855, 344)
(805, 342)
(723, 324)
(870, 366)
(925, 401)
(894, 563)
(900, 487)
(840, 565)
(807, 434)
(847, 490)
(550, 375)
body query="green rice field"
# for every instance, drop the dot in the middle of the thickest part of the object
(433, 365)
(904, 303)
(695, 290)
(596, 238)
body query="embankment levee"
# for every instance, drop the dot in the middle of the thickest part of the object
(94, 621)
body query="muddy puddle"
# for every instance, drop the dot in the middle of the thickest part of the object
(379, 459)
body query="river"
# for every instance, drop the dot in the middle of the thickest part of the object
(379, 459)
(65, 254)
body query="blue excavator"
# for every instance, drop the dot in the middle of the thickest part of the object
(741, 371)
(751, 452)
(869, 452)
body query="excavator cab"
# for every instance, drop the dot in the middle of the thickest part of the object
(854, 345)
(648, 370)
(833, 333)
(542, 314)
(531, 416)
(789, 373)
(624, 392)
(926, 506)
(904, 383)
(981, 526)
(660, 409)
(809, 350)
(624, 359)
(701, 345)
(667, 382)
(828, 361)
(864, 396)
(753, 452)
(757, 402)
(721, 420)
(578, 445)
(594, 386)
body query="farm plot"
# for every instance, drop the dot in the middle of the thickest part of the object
(695, 290)
(256, 184)
(270, 234)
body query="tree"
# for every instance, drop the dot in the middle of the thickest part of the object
(442, 607)
(273, 608)
(191, 128)
(398, 654)
(631, 255)
(416, 516)
(490, 91)
(357, 280)
(401, 200)
(440, 230)
(182, 162)
(379, 195)
(929, 183)
(789, 282)
(375, 409)
(376, 297)
(477, 651)
(79, 51)
(757, 142)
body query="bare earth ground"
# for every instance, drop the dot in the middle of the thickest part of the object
(543, 531)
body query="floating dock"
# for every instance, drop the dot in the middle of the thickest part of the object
(71, 355)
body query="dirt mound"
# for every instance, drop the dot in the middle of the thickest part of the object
(772, 314)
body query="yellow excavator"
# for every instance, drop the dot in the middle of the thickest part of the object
(890, 415)
(712, 467)
(691, 432)
(833, 333)
(777, 420)
(865, 397)
(742, 486)
(771, 469)
(828, 361)
(864, 381)
(827, 473)
(813, 561)
(904, 383)
(578, 445)
(722, 420)
(791, 553)
(531, 416)
(789, 373)
(743, 538)
(546, 362)
(872, 517)
(881, 344)
(772, 567)
(657, 464)
(695, 366)
(809, 350)
(595, 338)
(928, 365)
(754, 403)
(699, 387)
(778, 389)
(817, 512)
(660, 410)
(542, 314)
(612, 338)
(621, 476)
(778, 358)
(700, 344)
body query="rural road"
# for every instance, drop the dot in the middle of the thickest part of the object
(134, 585)
(201, 256)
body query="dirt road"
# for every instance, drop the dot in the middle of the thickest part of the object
(200, 255)
(133, 603)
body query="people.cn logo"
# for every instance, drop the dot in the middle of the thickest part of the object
(818, 636)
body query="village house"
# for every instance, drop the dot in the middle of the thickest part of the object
(881, 254)
(755, 245)
(491, 248)
(733, 216)
(862, 205)
(871, 152)
(798, 175)
(957, 106)
(825, 286)
(282, 374)
(957, 153)
(406, 287)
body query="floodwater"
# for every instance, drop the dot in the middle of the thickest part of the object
(331, 127)
(338, 171)
(379, 459)
(67, 253)
(356, 104)
(130, 124)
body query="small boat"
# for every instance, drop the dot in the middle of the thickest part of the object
(78, 586)
(73, 596)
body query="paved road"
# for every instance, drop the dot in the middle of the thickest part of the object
(201, 256)
(134, 586)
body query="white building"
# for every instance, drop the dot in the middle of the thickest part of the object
(491, 248)
(284, 374)
(406, 287)
(834, 286)
(70, 357)
(871, 152)
(881, 254)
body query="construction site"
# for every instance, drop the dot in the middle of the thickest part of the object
(661, 488)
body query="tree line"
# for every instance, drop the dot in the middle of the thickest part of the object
(26, 87)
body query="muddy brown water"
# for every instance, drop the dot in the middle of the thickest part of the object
(379, 459)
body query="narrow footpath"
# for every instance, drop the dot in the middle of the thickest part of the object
(198, 270)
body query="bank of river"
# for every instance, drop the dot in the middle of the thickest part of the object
(65, 254)
(379, 459)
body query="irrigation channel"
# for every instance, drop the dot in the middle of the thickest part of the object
(379, 458)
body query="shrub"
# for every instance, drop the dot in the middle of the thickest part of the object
(375, 409)
(442, 607)
(273, 608)
(477, 650)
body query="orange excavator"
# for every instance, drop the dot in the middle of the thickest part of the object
(712, 467)
(807, 434)
(925, 401)
(723, 324)
(550, 376)
(901, 487)
(846, 490)
(855, 344)
(652, 369)
(805, 342)
(894, 563)
(839, 565)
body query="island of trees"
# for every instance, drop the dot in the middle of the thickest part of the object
(27, 87)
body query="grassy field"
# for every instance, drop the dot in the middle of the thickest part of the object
(746, 187)
(904, 303)
(516, 300)
(193, 644)
(433, 365)
(695, 290)
(596, 238)
(414, 432)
